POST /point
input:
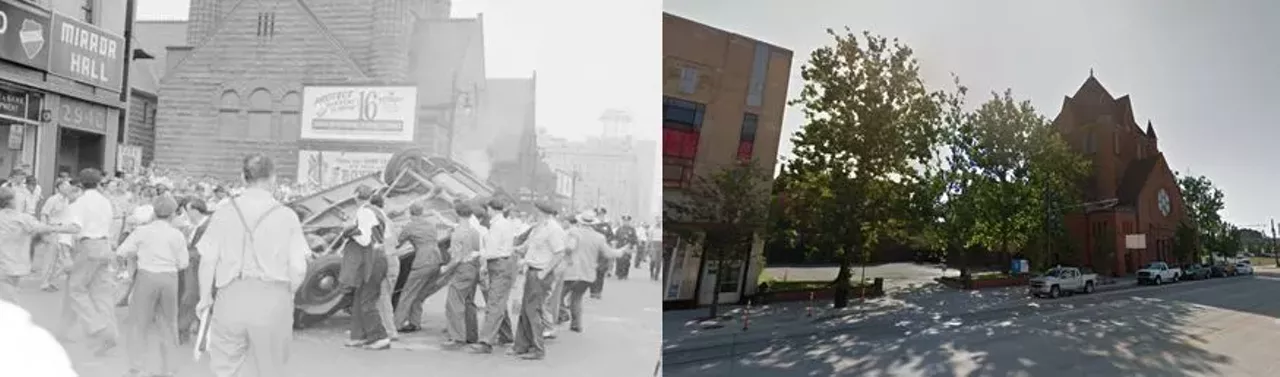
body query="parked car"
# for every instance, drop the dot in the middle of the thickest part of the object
(1229, 268)
(1158, 273)
(1218, 271)
(1195, 271)
(1244, 269)
(1059, 280)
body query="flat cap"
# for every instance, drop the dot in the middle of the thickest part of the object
(546, 207)
(164, 206)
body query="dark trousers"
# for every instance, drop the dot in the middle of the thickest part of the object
(623, 267)
(460, 309)
(574, 290)
(366, 324)
(416, 290)
(188, 297)
(529, 329)
(597, 287)
(497, 325)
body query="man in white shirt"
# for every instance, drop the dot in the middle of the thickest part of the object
(90, 289)
(364, 266)
(497, 257)
(161, 251)
(57, 247)
(542, 260)
(255, 254)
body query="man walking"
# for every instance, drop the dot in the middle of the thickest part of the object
(543, 255)
(655, 250)
(627, 241)
(161, 252)
(255, 255)
(463, 270)
(587, 247)
(421, 232)
(364, 266)
(498, 261)
(90, 296)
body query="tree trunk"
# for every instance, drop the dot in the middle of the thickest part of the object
(842, 278)
(715, 290)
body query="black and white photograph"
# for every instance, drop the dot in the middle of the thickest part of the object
(330, 188)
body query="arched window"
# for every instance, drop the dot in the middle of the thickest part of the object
(229, 124)
(260, 115)
(290, 121)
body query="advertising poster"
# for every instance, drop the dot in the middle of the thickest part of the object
(359, 113)
(129, 158)
(328, 168)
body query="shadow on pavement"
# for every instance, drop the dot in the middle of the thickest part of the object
(1150, 332)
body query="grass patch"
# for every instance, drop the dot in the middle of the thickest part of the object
(989, 276)
(1262, 261)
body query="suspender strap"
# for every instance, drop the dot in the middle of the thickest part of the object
(249, 235)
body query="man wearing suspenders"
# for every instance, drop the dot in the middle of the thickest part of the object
(253, 257)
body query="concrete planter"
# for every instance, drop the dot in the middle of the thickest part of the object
(876, 289)
(971, 284)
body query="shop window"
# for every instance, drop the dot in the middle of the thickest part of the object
(260, 115)
(229, 125)
(290, 121)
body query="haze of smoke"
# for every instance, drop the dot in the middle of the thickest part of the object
(478, 162)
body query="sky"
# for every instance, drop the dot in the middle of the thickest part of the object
(1204, 75)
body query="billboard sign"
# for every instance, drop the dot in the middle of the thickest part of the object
(359, 113)
(24, 36)
(328, 168)
(86, 53)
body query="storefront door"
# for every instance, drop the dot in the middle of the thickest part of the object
(78, 150)
(727, 283)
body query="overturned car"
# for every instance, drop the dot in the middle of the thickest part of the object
(411, 176)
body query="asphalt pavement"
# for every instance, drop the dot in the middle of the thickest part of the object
(1219, 327)
(622, 337)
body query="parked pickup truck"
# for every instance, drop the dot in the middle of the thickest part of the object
(1158, 273)
(1058, 280)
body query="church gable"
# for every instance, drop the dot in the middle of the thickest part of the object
(277, 39)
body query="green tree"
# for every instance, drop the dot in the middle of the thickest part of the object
(731, 205)
(870, 123)
(1056, 170)
(1184, 242)
(950, 214)
(1204, 203)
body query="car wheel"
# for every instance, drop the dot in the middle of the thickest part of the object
(1088, 287)
(1156, 281)
(1053, 292)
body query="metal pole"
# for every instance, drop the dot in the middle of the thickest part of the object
(125, 86)
(1274, 252)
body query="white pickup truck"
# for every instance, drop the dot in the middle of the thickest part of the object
(1159, 273)
(1059, 280)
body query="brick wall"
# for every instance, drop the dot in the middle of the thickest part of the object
(142, 128)
(234, 58)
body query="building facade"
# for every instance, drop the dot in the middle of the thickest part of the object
(1130, 171)
(724, 95)
(236, 84)
(61, 74)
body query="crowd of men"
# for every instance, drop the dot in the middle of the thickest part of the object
(232, 260)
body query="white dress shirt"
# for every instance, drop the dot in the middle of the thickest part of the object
(159, 246)
(93, 213)
(366, 219)
(280, 247)
(499, 240)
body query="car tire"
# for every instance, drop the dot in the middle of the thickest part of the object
(1088, 287)
(1156, 281)
(1054, 292)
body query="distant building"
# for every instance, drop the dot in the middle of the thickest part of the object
(723, 99)
(606, 171)
(1130, 171)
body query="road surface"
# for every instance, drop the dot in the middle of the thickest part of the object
(1220, 327)
(622, 338)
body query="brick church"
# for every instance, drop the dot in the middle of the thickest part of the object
(1129, 168)
(232, 82)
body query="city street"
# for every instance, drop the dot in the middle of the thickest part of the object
(1220, 327)
(621, 338)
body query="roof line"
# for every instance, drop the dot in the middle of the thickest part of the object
(345, 54)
